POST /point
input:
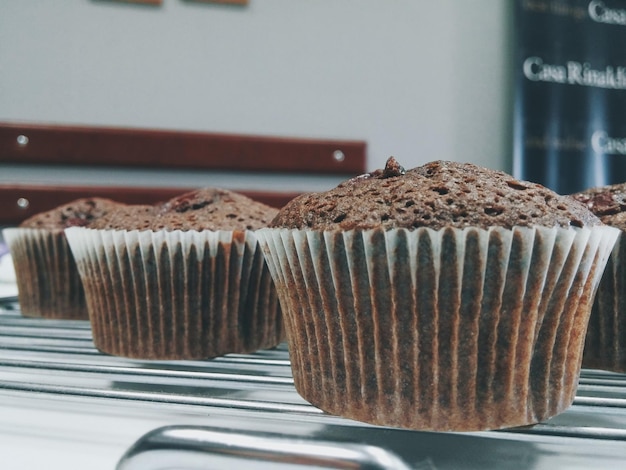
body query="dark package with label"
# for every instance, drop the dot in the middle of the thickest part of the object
(570, 93)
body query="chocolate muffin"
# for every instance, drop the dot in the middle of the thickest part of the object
(180, 280)
(605, 344)
(446, 297)
(48, 282)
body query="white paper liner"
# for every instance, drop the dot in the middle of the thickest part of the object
(605, 343)
(48, 282)
(175, 294)
(443, 330)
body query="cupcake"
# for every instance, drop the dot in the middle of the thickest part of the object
(605, 344)
(48, 282)
(181, 280)
(448, 297)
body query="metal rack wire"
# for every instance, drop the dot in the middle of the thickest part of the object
(259, 421)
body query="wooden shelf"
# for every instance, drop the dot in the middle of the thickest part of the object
(149, 148)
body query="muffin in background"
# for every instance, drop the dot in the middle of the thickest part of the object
(448, 297)
(605, 344)
(181, 280)
(48, 282)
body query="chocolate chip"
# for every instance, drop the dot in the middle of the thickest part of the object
(393, 168)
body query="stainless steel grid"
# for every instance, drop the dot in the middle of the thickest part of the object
(257, 419)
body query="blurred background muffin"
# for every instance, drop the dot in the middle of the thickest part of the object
(180, 280)
(48, 282)
(605, 344)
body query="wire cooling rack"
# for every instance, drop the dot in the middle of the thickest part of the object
(242, 411)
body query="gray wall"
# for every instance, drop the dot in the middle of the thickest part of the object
(418, 79)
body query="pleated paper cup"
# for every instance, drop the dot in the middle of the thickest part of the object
(175, 294)
(438, 330)
(48, 282)
(605, 344)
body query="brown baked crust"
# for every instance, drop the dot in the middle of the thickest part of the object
(131, 217)
(436, 195)
(78, 213)
(607, 202)
(203, 209)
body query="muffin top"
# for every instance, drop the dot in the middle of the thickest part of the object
(436, 195)
(78, 213)
(203, 209)
(607, 202)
